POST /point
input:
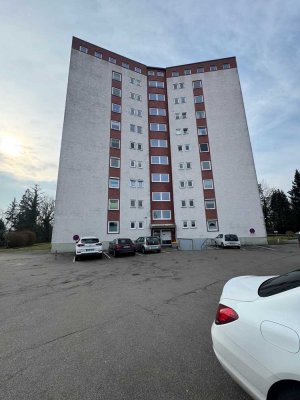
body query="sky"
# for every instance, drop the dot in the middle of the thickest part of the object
(35, 42)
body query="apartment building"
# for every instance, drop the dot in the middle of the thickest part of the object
(154, 151)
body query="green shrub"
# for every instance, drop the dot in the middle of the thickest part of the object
(20, 238)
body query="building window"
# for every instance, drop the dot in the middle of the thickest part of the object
(191, 203)
(174, 74)
(160, 73)
(158, 143)
(132, 183)
(188, 165)
(138, 82)
(193, 223)
(114, 183)
(200, 70)
(115, 143)
(208, 184)
(114, 162)
(132, 128)
(183, 203)
(178, 131)
(116, 76)
(132, 164)
(116, 108)
(156, 84)
(185, 131)
(210, 204)
(135, 96)
(212, 225)
(113, 204)
(160, 177)
(132, 145)
(187, 72)
(140, 225)
(182, 100)
(202, 131)
(157, 111)
(158, 127)
(182, 184)
(176, 100)
(157, 97)
(183, 115)
(187, 147)
(98, 54)
(184, 224)
(179, 147)
(151, 73)
(226, 66)
(200, 114)
(139, 146)
(83, 49)
(116, 92)
(125, 65)
(140, 203)
(161, 214)
(181, 165)
(138, 70)
(116, 125)
(190, 184)
(197, 84)
(140, 183)
(132, 225)
(161, 196)
(112, 60)
(132, 203)
(113, 226)
(205, 165)
(178, 85)
(140, 164)
(198, 99)
(164, 160)
(204, 148)
(177, 115)
(213, 68)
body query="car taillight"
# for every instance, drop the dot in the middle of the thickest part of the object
(225, 315)
(80, 245)
(119, 246)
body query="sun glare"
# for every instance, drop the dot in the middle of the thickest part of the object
(10, 146)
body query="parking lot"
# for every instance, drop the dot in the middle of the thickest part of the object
(120, 328)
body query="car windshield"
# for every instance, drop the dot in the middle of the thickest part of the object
(280, 284)
(124, 241)
(89, 240)
(152, 240)
(231, 238)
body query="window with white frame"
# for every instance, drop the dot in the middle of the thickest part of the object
(140, 183)
(161, 196)
(116, 125)
(197, 84)
(132, 183)
(140, 225)
(174, 74)
(183, 115)
(188, 165)
(226, 66)
(132, 225)
(193, 223)
(113, 204)
(183, 203)
(132, 163)
(200, 114)
(213, 68)
(151, 73)
(136, 128)
(187, 147)
(178, 131)
(140, 203)
(200, 70)
(184, 224)
(210, 204)
(125, 65)
(83, 49)
(160, 177)
(158, 143)
(116, 76)
(132, 203)
(178, 85)
(132, 145)
(198, 99)
(97, 54)
(190, 184)
(164, 160)
(181, 165)
(116, 92)
(135, 96)
(140, 164)
(187, 72)
(116, 108)
(112, 60)
(115, 143)
(208, 184)
(201, 130)
(114, 183)
(135, 112)
(205, 165)
(156, 84)
(212, 225)
(157, 111)
(185, 131)
(157, 97)
(158, 127)
(113, 226)
(161, 214)
(204, 148)
(139, 146)
(182, 184)
(114, 162)
(160, 73)
(180, 147)
(176, 100)
(177, 115)
(191, 203)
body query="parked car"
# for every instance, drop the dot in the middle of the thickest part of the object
(121, 246)
(256, 335)
(147, 244)
(227, 240)
(87, 246)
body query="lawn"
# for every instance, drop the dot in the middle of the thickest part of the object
(37, 246)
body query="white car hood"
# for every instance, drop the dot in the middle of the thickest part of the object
(243, 288)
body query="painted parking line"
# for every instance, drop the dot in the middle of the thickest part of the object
(107, 256)
(138, 254)
(73, 259)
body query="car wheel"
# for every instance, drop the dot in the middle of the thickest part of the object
(77, 258)
(216, 244)
(133, 254)
(292, 393)
(115, 253)
(100, 255)
(222, 245)
(158, 251)
(143, 250)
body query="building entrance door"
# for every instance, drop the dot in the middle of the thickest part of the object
(164, 235)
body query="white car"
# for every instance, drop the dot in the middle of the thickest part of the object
(256, 335)
(227, 240)
(87, 246)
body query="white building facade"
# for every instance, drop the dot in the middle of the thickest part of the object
(154, 151)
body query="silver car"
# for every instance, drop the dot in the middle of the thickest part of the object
(227, 240)
(147, 244)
